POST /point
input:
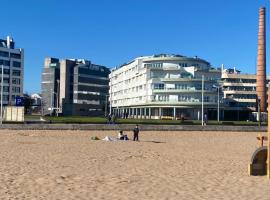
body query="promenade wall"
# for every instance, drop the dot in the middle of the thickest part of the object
(127, 127)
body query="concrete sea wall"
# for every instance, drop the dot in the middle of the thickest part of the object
(131, 126)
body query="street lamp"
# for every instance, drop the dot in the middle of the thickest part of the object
(52, 106)
(202, 98)
(259, 111)
(106, 105)
(217, 86)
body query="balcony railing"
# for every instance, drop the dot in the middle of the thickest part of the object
(183, 90)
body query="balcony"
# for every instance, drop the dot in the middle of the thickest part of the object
(182, 91)
(187, 80)
(181, 103)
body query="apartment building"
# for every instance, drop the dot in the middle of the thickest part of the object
(163, 86)
(239, 93)
(12, 60)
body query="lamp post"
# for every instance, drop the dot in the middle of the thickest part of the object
(57, 97)
(218, 101)
(51, 102)
(110, 95)
(202, 98)
(52, 106)
(259, 111)
(106, 105)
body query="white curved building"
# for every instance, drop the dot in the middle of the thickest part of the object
(163, 86)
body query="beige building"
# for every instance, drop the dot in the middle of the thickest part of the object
(239, 93)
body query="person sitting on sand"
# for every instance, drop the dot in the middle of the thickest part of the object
(121, 136)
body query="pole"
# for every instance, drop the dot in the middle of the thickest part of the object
(202, 98)
(218, 106)
(57, 98)
(106, 105)
(110, 95)
(51, 101)
(259, 112)
(2, 83)
(268, 141)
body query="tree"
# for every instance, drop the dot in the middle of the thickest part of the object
(28, 102)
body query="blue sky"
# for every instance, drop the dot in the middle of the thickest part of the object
(112, 32)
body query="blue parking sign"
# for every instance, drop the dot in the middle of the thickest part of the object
(19, 101)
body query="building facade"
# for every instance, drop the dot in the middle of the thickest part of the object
(74, 87)
(164, 86)
(239, 92)
(12, 60)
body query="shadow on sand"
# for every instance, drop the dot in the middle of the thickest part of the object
(156, 142)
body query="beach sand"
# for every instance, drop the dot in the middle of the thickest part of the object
(163, 165)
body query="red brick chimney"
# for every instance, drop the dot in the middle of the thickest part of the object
(261, 62)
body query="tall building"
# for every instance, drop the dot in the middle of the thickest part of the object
(163, 86)
(74, 87)
(12, 60)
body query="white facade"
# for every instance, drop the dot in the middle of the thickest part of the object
(13, 63)
(163, 86)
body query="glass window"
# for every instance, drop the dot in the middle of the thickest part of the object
(5, 89)
(16, 64)
(16, 72)
(159, 86)
(6, 71)
(16, 89)
(16, 81)
(5, 62)
(4, 54)
(15, 55)
(5, 97)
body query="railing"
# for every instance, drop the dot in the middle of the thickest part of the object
(182, 90)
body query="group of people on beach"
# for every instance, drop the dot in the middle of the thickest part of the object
(136, 131)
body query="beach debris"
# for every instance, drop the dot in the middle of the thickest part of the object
(95, 138)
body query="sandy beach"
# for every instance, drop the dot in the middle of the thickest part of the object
(163, 165)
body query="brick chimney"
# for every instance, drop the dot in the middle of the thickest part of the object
(261, 62)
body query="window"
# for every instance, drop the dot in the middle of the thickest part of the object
(6, 71)
(158, 86)
(16, 81)
(15, 55)
(5, 97)
(16, 89)
(154, 65)
(16, 72)
(16, 64)
(163, 97)
(5, 89)
(4, 62)
(4, 54)
(6, 80)
(183, 64)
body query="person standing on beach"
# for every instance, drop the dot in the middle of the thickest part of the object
(136, 133)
